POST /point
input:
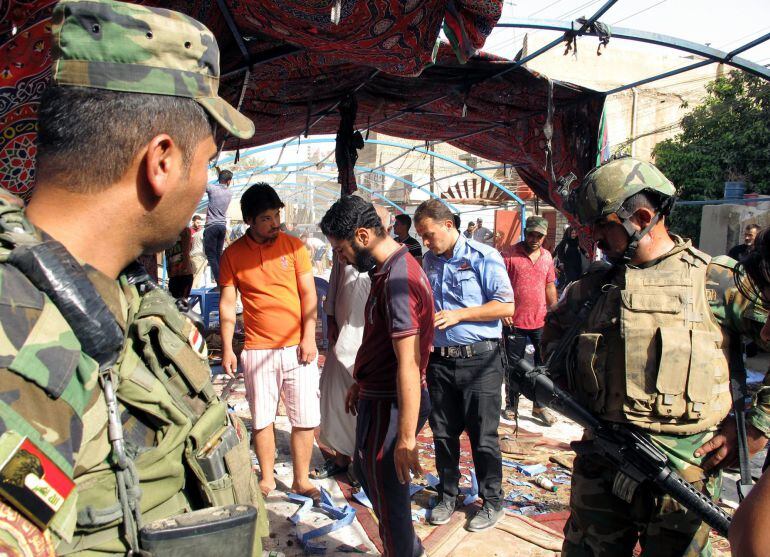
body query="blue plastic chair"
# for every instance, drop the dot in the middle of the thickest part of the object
(322, 290)
(208, 301)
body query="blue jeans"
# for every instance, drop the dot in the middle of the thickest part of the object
(213, 244)
(515, 341)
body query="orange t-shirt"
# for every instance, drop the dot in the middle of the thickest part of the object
(266, 276)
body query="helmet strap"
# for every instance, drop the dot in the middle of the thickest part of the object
(634, 235)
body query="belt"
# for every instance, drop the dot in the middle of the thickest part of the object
(467, 350)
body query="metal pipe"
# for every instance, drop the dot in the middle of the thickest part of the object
(657, 39)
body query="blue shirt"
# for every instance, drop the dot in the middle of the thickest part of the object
(219, 201)
(473, 276)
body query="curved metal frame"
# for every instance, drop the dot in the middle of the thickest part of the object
(315, 140)
(365, 170)
(311, 173)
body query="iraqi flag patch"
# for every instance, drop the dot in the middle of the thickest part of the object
(198, 343)
(33, 484)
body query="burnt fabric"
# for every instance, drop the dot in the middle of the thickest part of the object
(302, 66)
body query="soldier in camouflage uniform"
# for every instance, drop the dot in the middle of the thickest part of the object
(125, 140)
(652, 352)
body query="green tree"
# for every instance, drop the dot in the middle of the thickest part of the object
(725, 138)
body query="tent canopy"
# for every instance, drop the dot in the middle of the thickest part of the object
(293, 70)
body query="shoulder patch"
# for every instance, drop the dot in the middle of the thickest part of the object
(31, 481)
(724, 261)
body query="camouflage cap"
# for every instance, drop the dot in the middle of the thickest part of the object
(605, 189)
(124, 47)
(536, 224)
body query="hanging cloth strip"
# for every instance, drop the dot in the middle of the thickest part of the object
(349, 141)
(602, 30)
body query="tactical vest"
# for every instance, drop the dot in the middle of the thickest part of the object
(652, 353)
(188, 451)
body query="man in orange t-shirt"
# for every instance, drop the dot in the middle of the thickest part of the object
(273, 273)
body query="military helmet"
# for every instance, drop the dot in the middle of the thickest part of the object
(606, 188)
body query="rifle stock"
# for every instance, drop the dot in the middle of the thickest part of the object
(630, 450)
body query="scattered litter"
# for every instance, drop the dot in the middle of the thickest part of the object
(519, 483)
(431, 479)
(532, 469)
(343, 516)
(472, 494)
(545, 483)
(514, 495)
(415, 488)
(419, 515)
(511, 463)
(363, 498)
(561, 479)
(531, 509)
(306, 503)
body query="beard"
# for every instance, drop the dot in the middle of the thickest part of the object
(364, 262)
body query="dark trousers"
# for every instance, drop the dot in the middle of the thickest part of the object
(465, 395)
(515, 341)
(213, 244)
(376, 436)
(180, 286)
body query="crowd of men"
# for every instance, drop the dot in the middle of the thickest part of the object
(112, 439)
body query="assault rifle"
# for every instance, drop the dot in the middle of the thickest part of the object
(628, 449)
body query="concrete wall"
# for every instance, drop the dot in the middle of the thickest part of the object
(722, 225)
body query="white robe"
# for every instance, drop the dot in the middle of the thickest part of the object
(345, 302)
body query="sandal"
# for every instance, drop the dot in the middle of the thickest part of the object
(313, 494)
(328, 470)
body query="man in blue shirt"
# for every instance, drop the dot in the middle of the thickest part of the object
(471, 292)
(216, 220)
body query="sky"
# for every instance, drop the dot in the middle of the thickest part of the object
(726, 25)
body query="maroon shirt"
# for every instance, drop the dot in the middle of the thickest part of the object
(529, 281)
(400, 304)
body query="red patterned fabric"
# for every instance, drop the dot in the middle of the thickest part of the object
(381, 49)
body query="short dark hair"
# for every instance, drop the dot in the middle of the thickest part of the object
(642, 200)
(348, 214)
(456, 218)
(433, 209)
(257, 199)
(756, 266)
(404, 219)
(197, 217)
(88, 137)
(224, 176)
(755, 227)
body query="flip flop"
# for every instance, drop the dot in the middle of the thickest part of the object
(327, 470)
(313, 494)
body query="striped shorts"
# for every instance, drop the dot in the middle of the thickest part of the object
(272, 373)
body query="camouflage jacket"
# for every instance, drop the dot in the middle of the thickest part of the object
(47, 385)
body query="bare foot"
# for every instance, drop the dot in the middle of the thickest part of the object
(266, 488)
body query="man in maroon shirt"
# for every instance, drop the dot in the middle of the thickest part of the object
(389, 396)
(530, 268)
